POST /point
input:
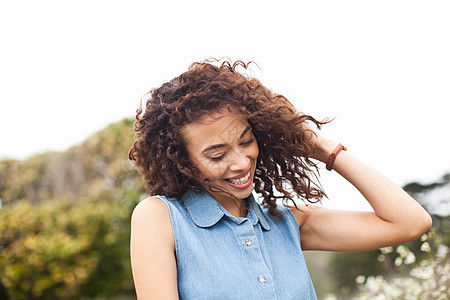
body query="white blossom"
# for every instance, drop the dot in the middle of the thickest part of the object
(425, 247)
(381, 257)
(442, 251)
(410, 258)
(360, 279)
(398, 261)
(387, 250)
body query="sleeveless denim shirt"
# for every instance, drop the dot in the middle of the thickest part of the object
(220, 256)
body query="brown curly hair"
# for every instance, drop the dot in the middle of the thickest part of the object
(161, 157)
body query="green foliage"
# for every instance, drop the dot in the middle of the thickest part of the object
(64, 225)
(100, 163)
(60, 249)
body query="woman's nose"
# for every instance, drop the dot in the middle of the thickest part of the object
(240, 161)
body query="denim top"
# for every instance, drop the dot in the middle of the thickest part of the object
(220, 256)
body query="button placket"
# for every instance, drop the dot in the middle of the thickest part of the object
(251, 248)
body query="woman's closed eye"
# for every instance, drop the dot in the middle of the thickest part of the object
(248, 142)
(219, 157)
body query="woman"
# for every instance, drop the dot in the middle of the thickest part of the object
(205, 141)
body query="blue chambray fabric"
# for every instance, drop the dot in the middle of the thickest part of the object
(220, 256)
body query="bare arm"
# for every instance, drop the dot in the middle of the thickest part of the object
(397, 218)
(152, 251)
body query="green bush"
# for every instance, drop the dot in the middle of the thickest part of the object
(65, 249)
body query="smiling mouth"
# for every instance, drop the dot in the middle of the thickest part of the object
(240, 180)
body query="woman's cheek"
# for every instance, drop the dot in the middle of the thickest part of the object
(216, 171)
(212, 170)
(255, 149)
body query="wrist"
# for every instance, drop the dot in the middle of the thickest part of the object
(333, 156)
(323, 149)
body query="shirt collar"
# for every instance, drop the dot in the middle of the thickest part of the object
(205, 211)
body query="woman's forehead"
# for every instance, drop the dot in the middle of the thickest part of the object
(223, 126)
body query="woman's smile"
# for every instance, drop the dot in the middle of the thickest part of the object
(241, 181)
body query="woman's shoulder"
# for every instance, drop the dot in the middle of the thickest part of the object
(150, 205)
(150, 213)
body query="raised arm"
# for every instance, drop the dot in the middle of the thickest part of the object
(397, 218)
(152, 251)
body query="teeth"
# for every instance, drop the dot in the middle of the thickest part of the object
(241, 180)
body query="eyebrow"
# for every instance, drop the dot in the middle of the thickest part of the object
(212, 147)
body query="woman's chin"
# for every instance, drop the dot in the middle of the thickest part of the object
(225, 189)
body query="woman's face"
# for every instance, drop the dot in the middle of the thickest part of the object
(222, 146)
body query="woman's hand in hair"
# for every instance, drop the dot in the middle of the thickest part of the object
(322, 146)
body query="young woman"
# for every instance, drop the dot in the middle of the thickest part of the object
(204, 142)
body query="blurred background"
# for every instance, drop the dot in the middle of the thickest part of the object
(73, 74)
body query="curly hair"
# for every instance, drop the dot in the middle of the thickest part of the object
(283, 140)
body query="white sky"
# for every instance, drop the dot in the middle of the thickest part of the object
(382, 68)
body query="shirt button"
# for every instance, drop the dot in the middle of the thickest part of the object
(248, 243)
(262, 279)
